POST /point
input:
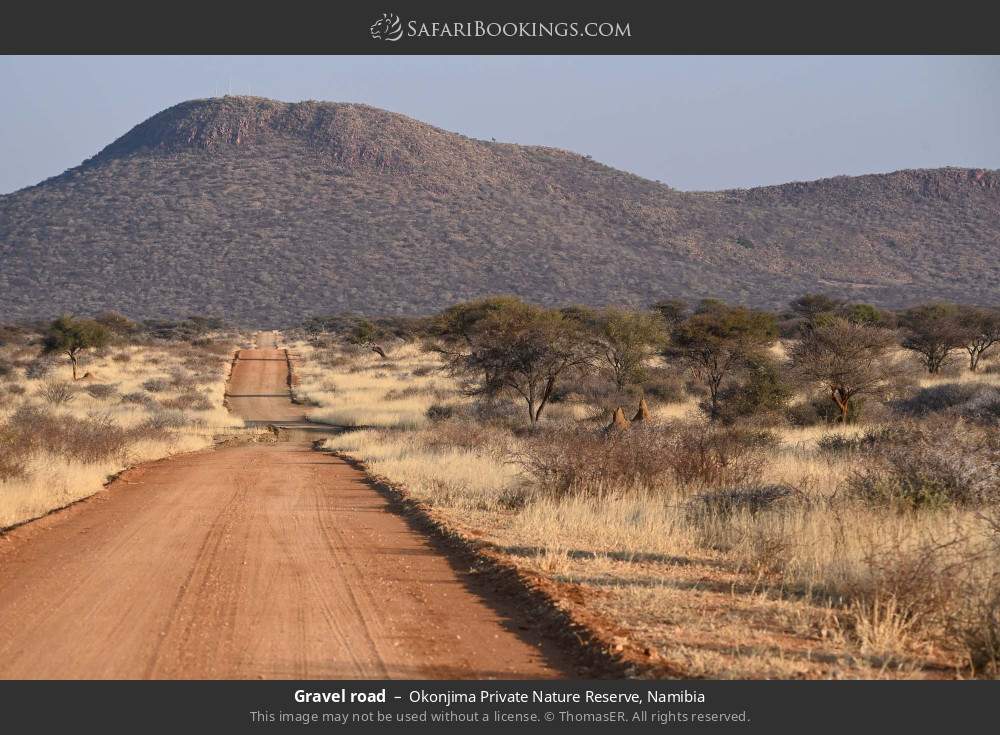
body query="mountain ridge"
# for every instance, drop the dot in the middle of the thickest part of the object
(319, 207)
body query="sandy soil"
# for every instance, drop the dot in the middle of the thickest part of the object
(260, 560)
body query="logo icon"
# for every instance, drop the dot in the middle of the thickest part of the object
(387, 28)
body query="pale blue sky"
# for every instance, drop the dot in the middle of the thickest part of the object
(694, 122)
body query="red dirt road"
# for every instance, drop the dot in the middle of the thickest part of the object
(259, 391)
(252, 561)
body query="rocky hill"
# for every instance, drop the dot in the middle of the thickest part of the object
(266, 212)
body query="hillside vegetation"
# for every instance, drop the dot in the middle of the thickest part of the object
(265, 212)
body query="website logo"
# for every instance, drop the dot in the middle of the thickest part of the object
(387, 28)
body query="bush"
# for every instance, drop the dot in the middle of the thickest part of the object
(936, 465)
(754, 438)
(101, 391)
(213, 347)
(664, 386)
(976, 401)
(156, 385)
(594, 389)
(6, 368)
(165, 419)
(871, 439)
(752, 500)
(396, 394)
(582, 461)
(497, 413)
(181, 379)
(13, 456)
(140, 399)
(826, 411)
(762, 395)
(984, 407)
(57, 393)
(937, 398)
(591, 462)
(977, 626)
(441, 411)
(802, 414)
(976, 620)
(87, 440)
(39, 368)
(472, 435)
(718, 458)
(189, 401)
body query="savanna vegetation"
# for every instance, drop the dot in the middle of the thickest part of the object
(734, 492)
(83, 398)
(717, 490)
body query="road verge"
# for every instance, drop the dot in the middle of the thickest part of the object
(602, 649)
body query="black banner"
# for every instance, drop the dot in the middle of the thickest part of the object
(449, 27)
(422, 706)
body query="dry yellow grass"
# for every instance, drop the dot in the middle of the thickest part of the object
(375, 392)
(800, 593)
(51, 481)
(964, 376)
(447, 476)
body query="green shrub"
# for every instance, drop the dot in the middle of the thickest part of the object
(664, 386)
(762, 395)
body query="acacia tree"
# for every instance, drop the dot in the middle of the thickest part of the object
(863, 314)
(812, 305)
(523, 349)
(72, 336)
(846, 359)
(980, 331)
(462, 322)
(933, 331)
(719, 340)
(673, 311)
(116, 323)
(367, 335)
(453, 333)
(626, 340)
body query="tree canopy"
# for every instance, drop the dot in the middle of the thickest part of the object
(933, 332)
(71, 336)
(623, 340)
(846, 360)
(980, 329)
(507, 345)
(718, 340)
